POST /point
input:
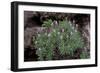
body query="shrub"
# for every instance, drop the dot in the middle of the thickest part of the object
(64, 36)
(84, 55)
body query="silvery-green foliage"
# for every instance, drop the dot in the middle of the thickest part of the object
(71, 39)
(84, 55)
(47, 23)
(65, 37)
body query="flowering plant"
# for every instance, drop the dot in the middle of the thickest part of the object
(64, 37)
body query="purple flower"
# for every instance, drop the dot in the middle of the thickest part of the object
(62, 30)
(49, 30)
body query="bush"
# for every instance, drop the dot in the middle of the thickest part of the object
(63, 36)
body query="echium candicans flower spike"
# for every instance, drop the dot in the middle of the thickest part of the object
(39, 48)
(35, 42)
(58, 33)
(49, 35)
(61, 37)
(73, 27)
(55, 23)
(62, 30)
(71, 33)
(39, 35)
(73, 21)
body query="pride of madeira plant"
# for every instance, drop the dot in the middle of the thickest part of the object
(62, 35)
